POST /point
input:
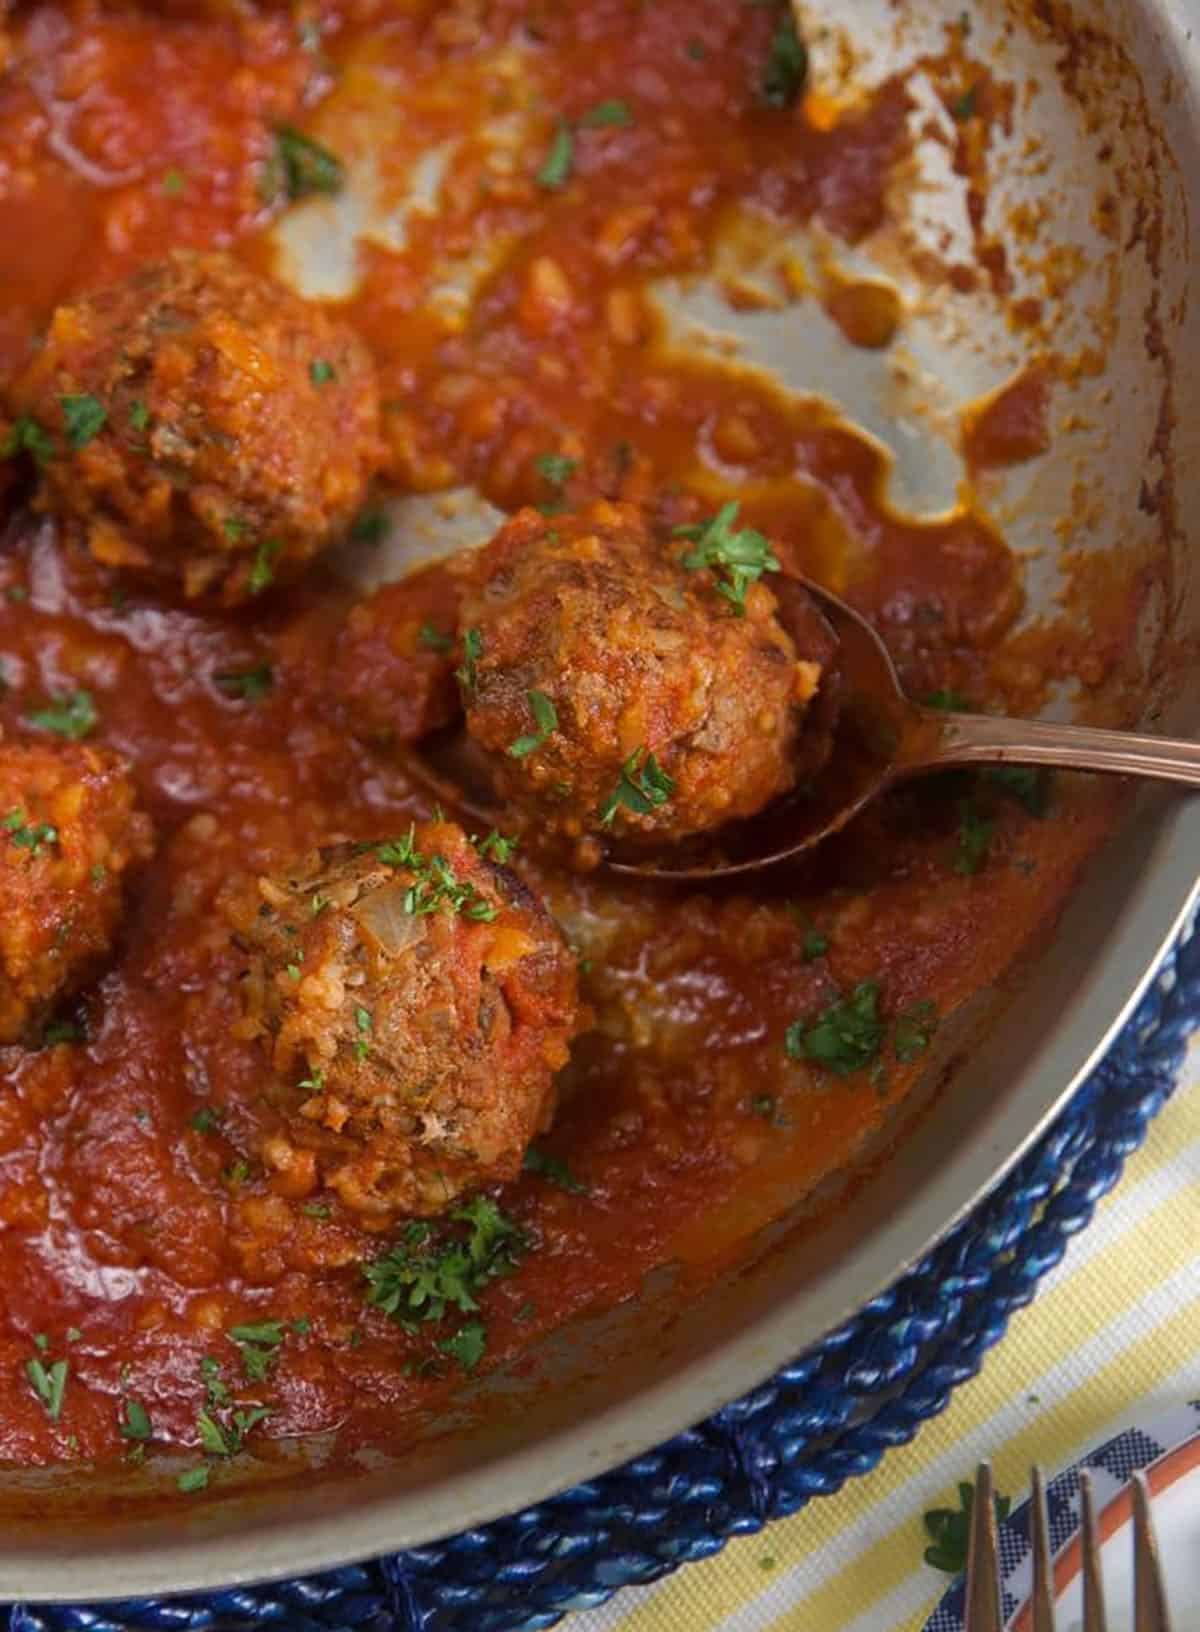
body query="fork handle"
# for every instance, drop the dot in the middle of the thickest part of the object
(985, 739)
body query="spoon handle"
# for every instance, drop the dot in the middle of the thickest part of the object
(984, 739)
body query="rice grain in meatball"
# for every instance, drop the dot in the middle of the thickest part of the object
(205, 424)
(420, 1001)
(69, 831)
(618, 690)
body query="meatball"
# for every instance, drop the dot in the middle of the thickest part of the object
(618, 688)
(205, 425)
(69, 831)
(417, 1000)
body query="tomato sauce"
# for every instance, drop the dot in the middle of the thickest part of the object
(136, 1226)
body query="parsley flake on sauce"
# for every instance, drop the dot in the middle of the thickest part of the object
(472, 652)
(556, 167)
(73, 717)
(432, 1269)
(84, 418)
(300, 167)
(134, 1421)
(370, 525)
(495, 847)
(844, 1037)
(1027, 784)
(643, 787)
(49, 1383)
(546, 719)
(365, 1026)
(321, 371)
(740, 557)
(974, 837)
(193, 1479)
(610, 112)
(27, 436)
(262, 573)
(434, 640)
(914, 1031)
(249, 685)
(139, 415)
(556, 468)
(26, 835)
(786, 67)
(467, 1346)
(257, 1344)
(554, 1170)
(436, 886)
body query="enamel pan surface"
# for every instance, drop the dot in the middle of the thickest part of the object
(1111, 97)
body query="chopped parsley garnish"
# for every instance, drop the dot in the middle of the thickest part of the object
(434, 640)
(317, 1209)
(206, 1120)
(949, 1530)
(844, 1037)
(435, 1269)
(974, 837)
(262, 573)
(741, 556)
(193, 1479)
(436, 888)
(236, 1173)
(467, 1346)
(134, 1421)
(301, 167)
(84, 418)
(257, 1343)
(234, 528)
(556, 167)
(365, 1026)
(696, 50)
(174, 182)
(49, 1384)
(1028, 785)
(62, 1031)
(913, 1031)
(139, 414)
(472, 651)
(786, 67)
(321, 371)
(643, 787)
(814, 945)
(954, 702)
(214, 1385)
(966, 106)
(227, 1438)
(73, 717)
(250, 685)
(26, 835)
(370, 525)
(495, 847)
(546, 719)
(556, 468)
(612, 111)
(554, 1171)
(27, 436)
(314, 1084)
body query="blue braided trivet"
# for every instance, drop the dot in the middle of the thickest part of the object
(769, 1453)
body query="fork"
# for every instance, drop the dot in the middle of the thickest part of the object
(983, 1613)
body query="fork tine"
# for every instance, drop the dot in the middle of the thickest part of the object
(1094, 1617)
(1043, 1588)
(983, 1559)
(1149, 1598)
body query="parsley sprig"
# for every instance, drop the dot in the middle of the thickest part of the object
(27, 835)
(545, 718)
(949, 1530)
(73, 717)
(736, 557)
(786, 67)
(849, 1033)
(642, 788)
(433, 1271)
(436, 887)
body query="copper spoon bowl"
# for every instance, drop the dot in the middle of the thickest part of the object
(882, 738)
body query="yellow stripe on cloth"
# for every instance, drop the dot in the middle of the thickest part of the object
(820, 1583)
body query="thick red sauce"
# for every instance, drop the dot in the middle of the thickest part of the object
(131, 1240)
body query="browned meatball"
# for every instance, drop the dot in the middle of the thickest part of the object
(418, 1000)
(620, 690)
(69, 830)
(204, 423)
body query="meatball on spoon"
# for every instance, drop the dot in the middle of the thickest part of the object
(871, 737)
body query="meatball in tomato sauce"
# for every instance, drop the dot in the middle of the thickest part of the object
(620, 686)
(416, 1001)
(69, 831)
(204, 424)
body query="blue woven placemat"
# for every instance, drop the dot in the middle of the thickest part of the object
(826, 1418)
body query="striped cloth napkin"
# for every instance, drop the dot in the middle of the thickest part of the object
(1113, 1338)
